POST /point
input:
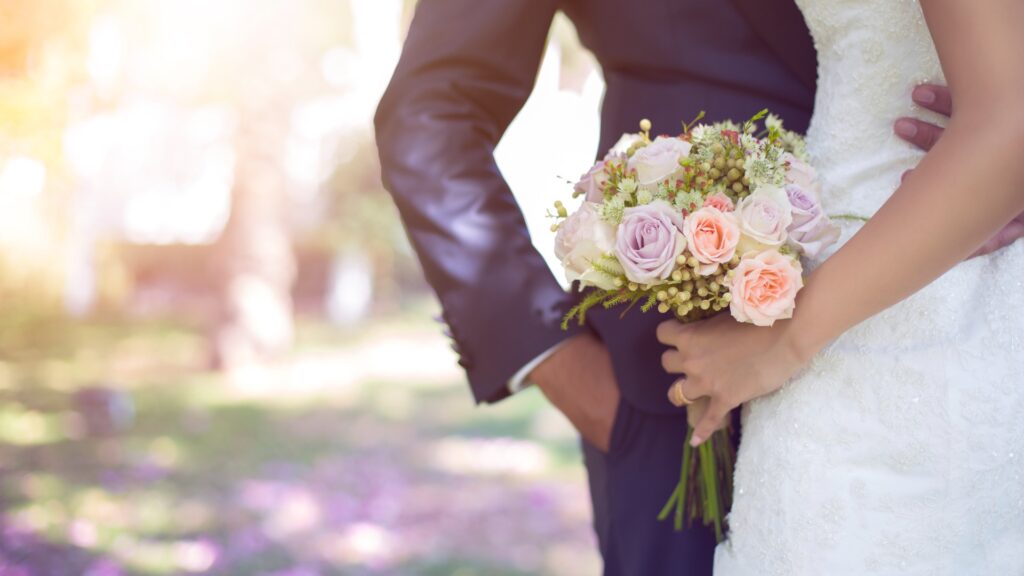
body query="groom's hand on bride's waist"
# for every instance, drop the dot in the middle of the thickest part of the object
(924, 135)
(578, 379)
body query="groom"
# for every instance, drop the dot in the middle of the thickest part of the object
(466, 70)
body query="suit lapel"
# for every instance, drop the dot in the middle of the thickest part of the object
(781, 25)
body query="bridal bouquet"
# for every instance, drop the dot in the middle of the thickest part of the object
(716, 218)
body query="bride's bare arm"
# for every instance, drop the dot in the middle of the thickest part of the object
(964, 190)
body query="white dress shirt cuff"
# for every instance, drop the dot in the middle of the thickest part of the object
(519, 379)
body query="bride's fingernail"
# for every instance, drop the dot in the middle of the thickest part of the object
(924, 96)
(906, 128)
(696, 441)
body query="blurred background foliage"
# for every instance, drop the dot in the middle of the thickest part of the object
(216, 347)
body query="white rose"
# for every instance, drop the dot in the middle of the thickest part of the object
(659, 160)
(582, 239)
(625, 142)
(764, 217)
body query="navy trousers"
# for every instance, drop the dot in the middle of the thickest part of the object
(629, 485)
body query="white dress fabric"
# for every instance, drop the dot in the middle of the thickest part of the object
(900, 450)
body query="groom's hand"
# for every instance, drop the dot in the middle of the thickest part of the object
(924, 135)
(579, 381)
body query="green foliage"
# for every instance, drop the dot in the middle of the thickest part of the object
(620, 297)
(579, 311)
(851, 217)
(749, 125)
(608, 265)
(651, 301)
(687, 126)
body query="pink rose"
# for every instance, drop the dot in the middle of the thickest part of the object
(764, 217)
(720, 201)
(659, 160)
(648, 241)
(711, 236)
(581, 239)
(764, 287)
(811, 231)
(591, 184)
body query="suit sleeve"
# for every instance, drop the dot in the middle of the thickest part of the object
(466, 70)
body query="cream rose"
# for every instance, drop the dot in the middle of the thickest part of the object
(764, 217)
(582, 239)
(712, 236)
(625, 142)
(659, 160)
(764, 288)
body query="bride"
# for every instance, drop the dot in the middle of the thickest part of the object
(884, 423)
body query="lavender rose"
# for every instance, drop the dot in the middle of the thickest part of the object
(659, 160)
(764, 217)
(581, 239)
(648, 241)
(811, 231)
(591, 184)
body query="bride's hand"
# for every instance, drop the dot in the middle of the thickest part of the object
(728, 363)
(696, 411)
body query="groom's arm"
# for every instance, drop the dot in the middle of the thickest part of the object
(924, 135)
(466, 70)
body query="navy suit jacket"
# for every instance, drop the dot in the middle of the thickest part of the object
(468, 67)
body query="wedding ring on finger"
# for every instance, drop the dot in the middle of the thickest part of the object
(676, 396)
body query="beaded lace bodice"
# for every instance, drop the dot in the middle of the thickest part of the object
(871, 54)
(900, 449)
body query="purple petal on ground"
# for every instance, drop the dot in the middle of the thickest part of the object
(298, 571)
(104, 567)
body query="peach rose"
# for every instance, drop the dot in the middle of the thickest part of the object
(720, 201)
(764, 287)
(712, 236)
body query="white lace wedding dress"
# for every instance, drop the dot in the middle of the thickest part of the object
(900, 450)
